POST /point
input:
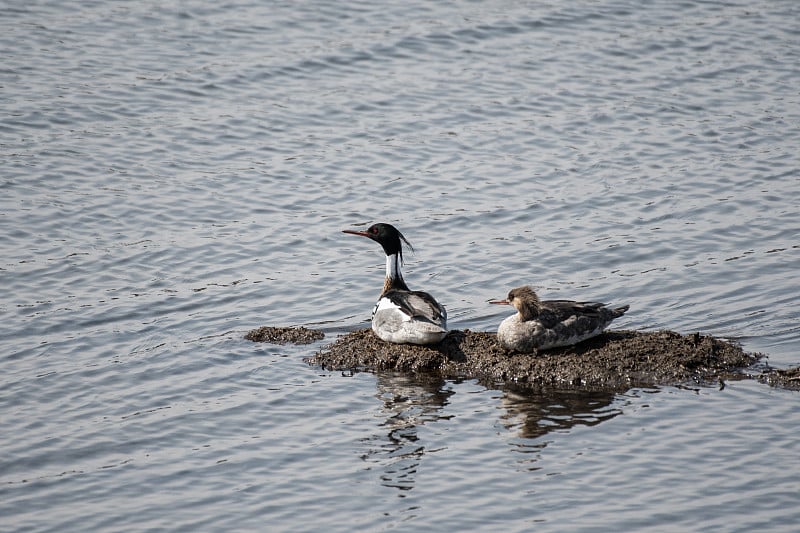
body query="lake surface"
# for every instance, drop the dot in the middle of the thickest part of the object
(176, 175)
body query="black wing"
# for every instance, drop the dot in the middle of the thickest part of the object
(418, 304)
(551, 312)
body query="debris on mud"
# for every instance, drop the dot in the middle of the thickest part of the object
(788, 378)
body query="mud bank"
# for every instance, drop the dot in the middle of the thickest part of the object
(616, 358)
(612, 360)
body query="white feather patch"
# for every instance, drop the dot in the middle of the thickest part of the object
(385, 304)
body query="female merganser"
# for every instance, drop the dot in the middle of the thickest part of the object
(402, 315)
(540, 325)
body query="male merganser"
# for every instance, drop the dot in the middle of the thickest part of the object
(402, 315)
(540, 325)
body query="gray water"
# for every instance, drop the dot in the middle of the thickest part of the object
(175, 175)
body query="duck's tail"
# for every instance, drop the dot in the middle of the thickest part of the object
(619, 311)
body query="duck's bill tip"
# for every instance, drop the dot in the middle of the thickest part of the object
(356, 232)
(500, 302)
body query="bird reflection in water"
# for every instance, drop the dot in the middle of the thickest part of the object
(409, 402)
(535, 413)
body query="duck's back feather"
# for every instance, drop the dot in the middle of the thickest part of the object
(551, 312)
(409, 317)
(418, 305)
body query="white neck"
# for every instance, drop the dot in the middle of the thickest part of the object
(393, 267)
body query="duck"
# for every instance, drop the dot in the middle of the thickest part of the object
(401, 315)
(542, 325)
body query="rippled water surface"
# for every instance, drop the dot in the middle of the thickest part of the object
(177, 174)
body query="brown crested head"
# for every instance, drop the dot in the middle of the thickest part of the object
(525, 300)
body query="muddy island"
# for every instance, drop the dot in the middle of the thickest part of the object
(615, 359)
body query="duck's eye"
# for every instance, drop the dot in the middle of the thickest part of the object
(373, 230)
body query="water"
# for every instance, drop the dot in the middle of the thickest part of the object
(174, 176)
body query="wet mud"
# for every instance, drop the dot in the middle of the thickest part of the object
(788, 378)
(612, 359)
(615, 359)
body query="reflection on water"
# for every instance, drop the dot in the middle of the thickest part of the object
(412, 401)
(533, 413)
(409, 401)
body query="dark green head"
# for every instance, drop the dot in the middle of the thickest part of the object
(386, 235)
